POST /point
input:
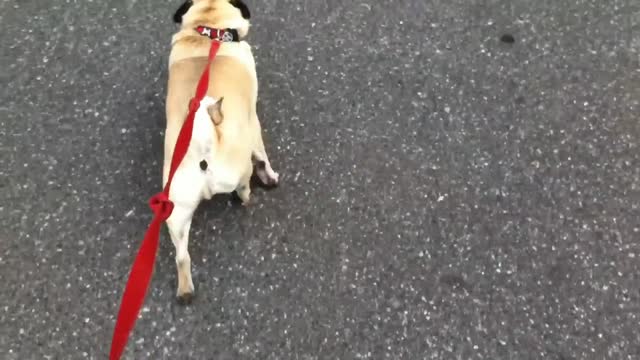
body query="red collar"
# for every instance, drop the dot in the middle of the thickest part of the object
(223, 35)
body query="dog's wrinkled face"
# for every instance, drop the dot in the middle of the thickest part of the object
(210, 6)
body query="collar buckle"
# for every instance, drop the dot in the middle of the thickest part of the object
(227, 36)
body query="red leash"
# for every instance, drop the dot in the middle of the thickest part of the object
(140, 275)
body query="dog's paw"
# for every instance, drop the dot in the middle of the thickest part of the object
(244, 193)
(185, 298)
(267, 175)
(273, 179)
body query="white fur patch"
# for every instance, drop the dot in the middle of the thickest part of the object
(191, 184)
(203, 129)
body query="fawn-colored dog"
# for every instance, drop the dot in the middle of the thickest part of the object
(227, 140)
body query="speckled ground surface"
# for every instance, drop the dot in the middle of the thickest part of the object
(445, 194)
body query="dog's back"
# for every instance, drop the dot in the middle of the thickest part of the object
(233, 78)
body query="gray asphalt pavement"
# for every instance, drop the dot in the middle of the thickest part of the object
(448, 192)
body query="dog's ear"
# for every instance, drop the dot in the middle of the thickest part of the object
(215, 111)
(177, 17)
(246, 14)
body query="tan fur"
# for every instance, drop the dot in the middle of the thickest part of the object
(237, 141)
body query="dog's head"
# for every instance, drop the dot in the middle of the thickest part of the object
(218, 14)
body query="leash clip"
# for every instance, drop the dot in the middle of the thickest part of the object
(226, 36)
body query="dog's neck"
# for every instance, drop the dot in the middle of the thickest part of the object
(225, 35)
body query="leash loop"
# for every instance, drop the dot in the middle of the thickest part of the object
(161, 206)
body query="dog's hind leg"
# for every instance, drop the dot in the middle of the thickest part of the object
(179, 225)
(260, 158)
(244, 187)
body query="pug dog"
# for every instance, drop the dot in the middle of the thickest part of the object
(227, 145)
